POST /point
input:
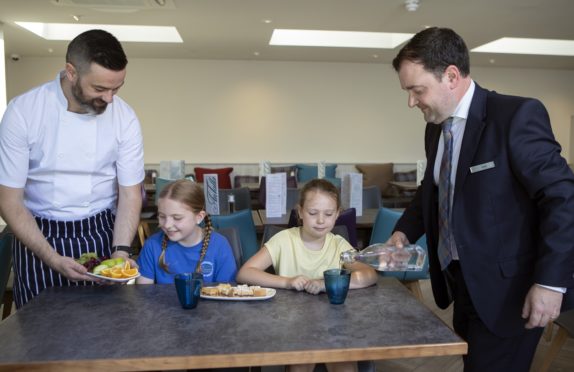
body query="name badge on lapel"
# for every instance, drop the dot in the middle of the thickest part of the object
(481, 167)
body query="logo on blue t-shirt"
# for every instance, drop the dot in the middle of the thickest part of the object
(207, 268)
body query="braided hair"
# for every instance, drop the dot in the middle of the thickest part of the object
(190, 194)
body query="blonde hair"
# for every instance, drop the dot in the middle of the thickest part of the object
(322, 185)
(319, 184)
(191, 195)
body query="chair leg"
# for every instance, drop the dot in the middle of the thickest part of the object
(548, 331)
(7, 302)
(415, 287)
(553, 350)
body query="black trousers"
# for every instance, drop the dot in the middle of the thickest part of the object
(487, 351)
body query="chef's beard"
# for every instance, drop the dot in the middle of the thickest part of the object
(94, 106)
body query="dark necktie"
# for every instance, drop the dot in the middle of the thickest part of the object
(444, 192)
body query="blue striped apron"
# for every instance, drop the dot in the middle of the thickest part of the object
(68, 238)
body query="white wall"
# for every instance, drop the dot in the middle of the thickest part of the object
(205, 111)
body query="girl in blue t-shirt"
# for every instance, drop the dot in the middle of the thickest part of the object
(182, 245)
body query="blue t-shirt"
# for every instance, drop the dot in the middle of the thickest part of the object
(218, 264)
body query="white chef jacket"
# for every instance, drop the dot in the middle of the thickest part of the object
(69, 164)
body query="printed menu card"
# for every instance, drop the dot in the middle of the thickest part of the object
(211, 191)
(275, 194)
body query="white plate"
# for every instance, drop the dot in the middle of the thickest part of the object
(117, 280)
(270, 293)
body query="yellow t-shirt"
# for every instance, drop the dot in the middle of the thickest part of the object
(291, 258)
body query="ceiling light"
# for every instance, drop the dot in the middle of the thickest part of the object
(67, 31)
(346, 39)
(411, 5)
(267, 21)
(514, 45)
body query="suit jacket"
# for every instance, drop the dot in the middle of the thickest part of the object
(513, 224)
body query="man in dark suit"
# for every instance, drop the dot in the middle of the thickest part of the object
(496, 203)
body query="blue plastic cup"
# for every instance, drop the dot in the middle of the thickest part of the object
(337, 285)
(188, 287)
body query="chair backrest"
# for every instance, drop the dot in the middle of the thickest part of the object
(243, 221)
(385, 222)
(144, 232)
(5, 261)
(232, 235)
(242, 199)
(160, 183)
(372, 197)
(347, 218)
(291, 184)
(269, 231)
(292, 198)
(342, 231)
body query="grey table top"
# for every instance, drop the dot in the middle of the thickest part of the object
(123, 327)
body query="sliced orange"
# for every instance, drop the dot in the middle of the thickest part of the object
(116, 275)
(127, 265)
(106, 272)
(129, 272)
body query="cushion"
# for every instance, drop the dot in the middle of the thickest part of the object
(409, 176)
(307, 172)
(223, 175)
(335, 181)
(379, 175)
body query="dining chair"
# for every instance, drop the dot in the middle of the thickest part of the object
(565, 323)
(232, 235)
(243, 221)
(383, 226)
(292, 197)
(144, 232)
(291, 184)
(347, 218)
(160, 183)
(5, 268)
(372, 197)
(242, 198)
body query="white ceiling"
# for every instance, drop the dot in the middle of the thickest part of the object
(234, 29)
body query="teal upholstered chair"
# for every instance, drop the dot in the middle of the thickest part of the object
(242, 199)
(160, 183)
(385, 222)
(5, 266)
(307, 172)
(372, 197)
(232, 236)
(243, 221)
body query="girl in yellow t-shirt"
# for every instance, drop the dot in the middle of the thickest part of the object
(300, 255)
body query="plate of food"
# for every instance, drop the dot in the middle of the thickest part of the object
(111, 269)
(241, 292)
(111, 279)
